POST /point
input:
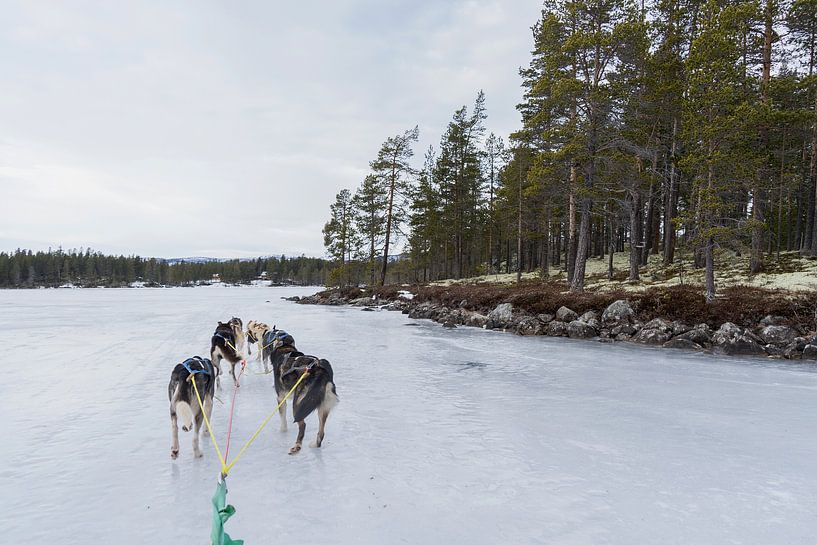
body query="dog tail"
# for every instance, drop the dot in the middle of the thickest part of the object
(184, 412)
(330, 399)
(313, 396)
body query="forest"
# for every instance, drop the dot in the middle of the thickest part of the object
(87, 268)
(652, 128)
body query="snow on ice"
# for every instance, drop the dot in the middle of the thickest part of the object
(456, 436)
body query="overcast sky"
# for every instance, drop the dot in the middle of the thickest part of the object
(226, 128)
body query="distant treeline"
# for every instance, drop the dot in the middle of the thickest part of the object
(27, 269)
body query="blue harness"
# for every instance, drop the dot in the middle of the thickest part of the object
(203, 371)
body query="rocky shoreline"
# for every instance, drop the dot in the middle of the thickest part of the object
(617, 322)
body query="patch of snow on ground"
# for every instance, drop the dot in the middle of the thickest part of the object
(460, 436)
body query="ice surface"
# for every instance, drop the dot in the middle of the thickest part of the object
(442, 436)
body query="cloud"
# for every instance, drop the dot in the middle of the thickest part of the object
(217, 129)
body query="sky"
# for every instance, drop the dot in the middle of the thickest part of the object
(225, 129)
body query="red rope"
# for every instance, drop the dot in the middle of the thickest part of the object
(232, 406)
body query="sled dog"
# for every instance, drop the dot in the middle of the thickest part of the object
(183, 402)
(255, 334)
(315, 391)
(224, 345)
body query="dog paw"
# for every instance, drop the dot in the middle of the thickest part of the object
(295, 450)
(314, 444)
(174, 453)
(198, 454)
(282, 429)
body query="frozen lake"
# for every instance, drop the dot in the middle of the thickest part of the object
(442, 436)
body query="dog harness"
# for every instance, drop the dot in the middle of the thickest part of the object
(315, 362)
(203, 371)
(226, 336)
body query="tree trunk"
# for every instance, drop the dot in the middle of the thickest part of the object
(577, 286)
(611, 246)
(813, 179)
(519, 231)
(546, 248)
(756, 259)
(710, 270)
(669, 212)
(389, 213)
(635, 236)
(570, 258)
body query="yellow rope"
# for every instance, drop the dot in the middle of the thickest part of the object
(209, 429)
(225, 469)
(258, 431)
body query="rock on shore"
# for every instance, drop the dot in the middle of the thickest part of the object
(618, 321)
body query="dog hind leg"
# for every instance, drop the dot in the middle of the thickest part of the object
(323, 414)
(196, 432)
(174, 448)
(215, 357)
(282, 412)
(301, 431)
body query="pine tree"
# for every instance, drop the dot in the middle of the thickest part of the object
(393, 171)
(339, 234)
(370, 204)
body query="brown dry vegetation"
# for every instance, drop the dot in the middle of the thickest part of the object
(742, 305)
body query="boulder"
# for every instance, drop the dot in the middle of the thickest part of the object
(678, 342)
(810, 352)
(448, 324)
(456, 316)
(589, 315)
(367, 309)
(556, 329)
(794, 350)
(774, 351)
(564, 314)
(441, 315)
(623, 328)
(679, 328)
(577, 329)
(652, 336)
(475, 319)
(733, 340)
(618, 311)
(656, 331)
(501, 317)
(659, 324)
(545, 318)
(623, 337)
(530, 326)
(779, 335)
(591, 318)
(700, 334)
(423, 311)
(726, 333)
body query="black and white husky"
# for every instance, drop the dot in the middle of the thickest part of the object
(226, 344)
(183, 402)
(315, 391)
